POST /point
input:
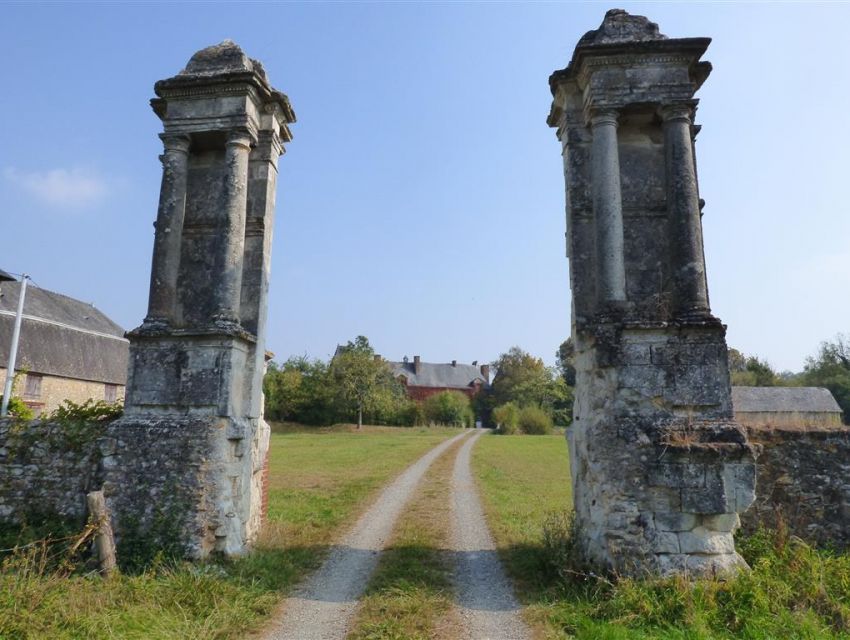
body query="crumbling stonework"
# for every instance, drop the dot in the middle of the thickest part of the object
(660, 470)
(803, 483)
(46, 470)
(185, 462)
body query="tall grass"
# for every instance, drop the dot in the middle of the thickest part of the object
(793, 590)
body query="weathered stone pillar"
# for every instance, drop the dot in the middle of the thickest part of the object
(660, 469)
(687, 260)
(184, 465)
(169, 229)
(608, 208)
(229, 291)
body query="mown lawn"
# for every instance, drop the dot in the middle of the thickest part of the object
(319, 483)
(792, 592)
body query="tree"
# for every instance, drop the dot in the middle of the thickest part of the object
(526, 381)
(751, 371)
(298, 390)
(521, 378)
(565, 362)
(831, 369)
(360, 381)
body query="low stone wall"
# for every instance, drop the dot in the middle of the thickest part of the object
(803, 480)
(47, 469)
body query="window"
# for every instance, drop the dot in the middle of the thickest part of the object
(32, 385)
(110, 392)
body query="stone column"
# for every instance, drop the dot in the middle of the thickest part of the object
(608, 210)
(169, 229)
(229, 291)
(688, 261)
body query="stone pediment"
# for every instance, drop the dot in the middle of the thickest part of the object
(620, 26)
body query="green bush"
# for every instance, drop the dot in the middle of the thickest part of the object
(450, 408)
(408, 414)
(534, 421)
(18, 408)
(506, 417)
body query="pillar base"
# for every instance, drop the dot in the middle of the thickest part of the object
(188, 486)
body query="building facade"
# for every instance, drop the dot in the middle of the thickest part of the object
(424, 379)
(68, 350)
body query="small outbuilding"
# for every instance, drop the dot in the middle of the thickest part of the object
(795, 407)
(68, 349)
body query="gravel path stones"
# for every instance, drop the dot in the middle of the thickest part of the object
(323, 607)
(485, 598)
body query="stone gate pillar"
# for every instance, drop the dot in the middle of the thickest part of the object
(660, 470)
(184, 465)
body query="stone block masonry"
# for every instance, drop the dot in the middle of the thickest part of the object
(803, 483)
(660, 470)
(185, 465)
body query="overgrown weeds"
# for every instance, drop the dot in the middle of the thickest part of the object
(792, 591)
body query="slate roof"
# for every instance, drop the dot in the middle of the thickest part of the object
(459, 376)
(62, 336)
(783, 400)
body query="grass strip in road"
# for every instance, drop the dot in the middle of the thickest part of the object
(792, 592)
(319, 482)
(522, 480)
(409, 597)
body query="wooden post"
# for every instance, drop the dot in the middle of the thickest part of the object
(104, 542)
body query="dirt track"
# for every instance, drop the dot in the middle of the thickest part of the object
(324, 606)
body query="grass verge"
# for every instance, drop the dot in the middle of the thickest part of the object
(410, 594)
(792, 592)
(318, 483)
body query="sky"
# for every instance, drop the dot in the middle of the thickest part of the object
(421, 201)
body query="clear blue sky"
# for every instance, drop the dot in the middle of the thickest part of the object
(421, 202)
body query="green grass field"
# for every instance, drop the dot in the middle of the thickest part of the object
(318, 483)
(793, 591)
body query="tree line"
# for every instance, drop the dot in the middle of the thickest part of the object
(358, 386)
(828, 368)
(524, 396)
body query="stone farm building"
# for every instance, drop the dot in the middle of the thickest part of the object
(796, 407)
(424, 379)
(68, 350)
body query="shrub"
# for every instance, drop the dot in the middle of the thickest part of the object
(18, 408)
(449, 408)
(534, 421)
(506, 417)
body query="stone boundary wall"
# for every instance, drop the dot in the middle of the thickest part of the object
(46, 470)
(803, 480)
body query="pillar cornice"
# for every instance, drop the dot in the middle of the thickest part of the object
(176, 142)
(241, 138)
(677, 112)
(600, 116)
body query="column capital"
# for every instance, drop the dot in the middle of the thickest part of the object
(678, 112)
(241, 138)
(176, 142)
(603, 116)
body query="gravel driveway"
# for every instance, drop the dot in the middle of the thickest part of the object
(323, 607)
(485, 598)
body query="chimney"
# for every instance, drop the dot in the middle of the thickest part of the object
(454, 363)
(377, 358)
(404, 359)
(475, 363)
(485, 372)
(417, 365)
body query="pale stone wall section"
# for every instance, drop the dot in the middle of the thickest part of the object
(55, 390)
